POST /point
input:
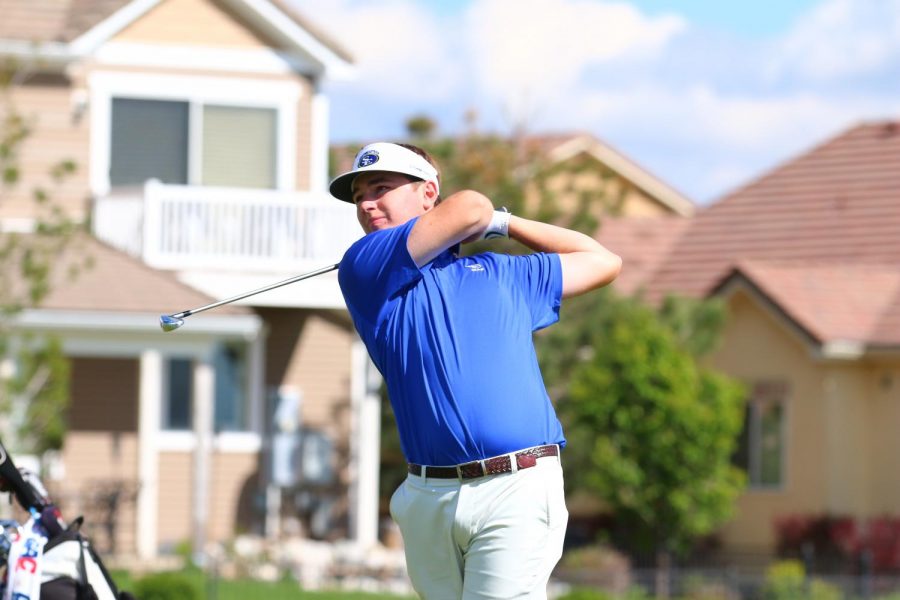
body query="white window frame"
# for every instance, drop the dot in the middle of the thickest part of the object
(754, 451)
(281, 96)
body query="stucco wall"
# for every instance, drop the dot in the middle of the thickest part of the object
(841, 421)
(757, 347)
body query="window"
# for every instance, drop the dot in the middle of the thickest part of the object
(149, 140)
(231, 407)
(177, 403)
(761, 452)
(239, 147)
(234, 146)
(231, 389)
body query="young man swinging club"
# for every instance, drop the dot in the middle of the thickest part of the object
(482, 512)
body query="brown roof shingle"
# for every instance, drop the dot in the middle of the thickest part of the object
(818, 235)
(644, 243)
(115, 282)
(53, 20)
(831, 302)
(839, 202)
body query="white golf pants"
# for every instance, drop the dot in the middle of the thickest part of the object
(495, 537)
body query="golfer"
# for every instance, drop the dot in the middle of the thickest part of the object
(482, 511)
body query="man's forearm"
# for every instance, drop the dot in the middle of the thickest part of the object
(543, 237)
(586, 263)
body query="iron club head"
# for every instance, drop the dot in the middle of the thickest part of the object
(170, 323)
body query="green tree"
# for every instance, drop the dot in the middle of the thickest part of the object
(652, 430)
(420, 127)
(34, 394)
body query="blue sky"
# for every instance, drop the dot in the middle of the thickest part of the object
(705, 94)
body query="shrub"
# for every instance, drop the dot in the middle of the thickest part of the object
(785, 580)
(166, 586)
(583, 593)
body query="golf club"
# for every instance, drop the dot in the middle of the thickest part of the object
(174, 321)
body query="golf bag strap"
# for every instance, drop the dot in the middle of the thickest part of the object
(106, 576)
(85, 591)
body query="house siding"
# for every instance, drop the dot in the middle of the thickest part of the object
(100, 451)
(235, 484)
(885, 443)
(756, 347)
(176, 473)
(59, 132)
(191, 22)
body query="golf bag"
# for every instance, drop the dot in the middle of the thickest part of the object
(46, 559)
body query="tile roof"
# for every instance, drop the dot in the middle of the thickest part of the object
(53, 20)
(818, 235)
(839, 202)
(643, 243)
(831, 301)
(116, 282)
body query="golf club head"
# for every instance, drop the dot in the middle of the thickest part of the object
(170, 323)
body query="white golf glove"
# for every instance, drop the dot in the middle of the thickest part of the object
(499, 225)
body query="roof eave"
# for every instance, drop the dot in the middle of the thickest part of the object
(46, 55)
(836, 349)
(302, 47)
(58, 320)
(618, 162)
(301, 42)
(736, 279)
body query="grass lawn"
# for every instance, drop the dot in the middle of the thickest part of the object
(248, 589)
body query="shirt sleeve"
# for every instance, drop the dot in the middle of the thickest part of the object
(539, 278)
(377, 268)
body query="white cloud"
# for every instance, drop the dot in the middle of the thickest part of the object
(524, 54)
(704, 141)
(400, 49)
(841, 38)
(692, 105)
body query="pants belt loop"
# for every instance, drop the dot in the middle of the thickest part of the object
(513, 462)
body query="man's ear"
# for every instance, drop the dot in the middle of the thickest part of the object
(429, 195)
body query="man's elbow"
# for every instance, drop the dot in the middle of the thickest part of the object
(475, 206)
(608, 268)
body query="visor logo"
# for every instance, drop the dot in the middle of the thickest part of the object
(368, 159)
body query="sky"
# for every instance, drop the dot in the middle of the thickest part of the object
(704, 94)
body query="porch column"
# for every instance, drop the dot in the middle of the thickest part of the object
(319, 138)
(365, 384)
(150, 398)
(203, 403)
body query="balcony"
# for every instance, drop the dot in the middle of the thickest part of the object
(221, 240)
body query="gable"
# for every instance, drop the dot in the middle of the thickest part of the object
(611, 191)
(191, 22)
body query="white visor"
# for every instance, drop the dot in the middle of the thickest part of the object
(383, 156)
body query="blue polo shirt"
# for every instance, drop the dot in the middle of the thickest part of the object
(453, 340)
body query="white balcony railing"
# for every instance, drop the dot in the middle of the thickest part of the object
(190, 227)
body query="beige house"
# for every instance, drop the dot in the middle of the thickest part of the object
(580, 166)
(808, 258)
(200, 133)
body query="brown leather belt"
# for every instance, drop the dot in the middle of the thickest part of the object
(489, 466)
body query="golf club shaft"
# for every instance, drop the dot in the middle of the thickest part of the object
(294, 279)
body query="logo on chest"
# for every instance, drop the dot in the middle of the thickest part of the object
(475, 268)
